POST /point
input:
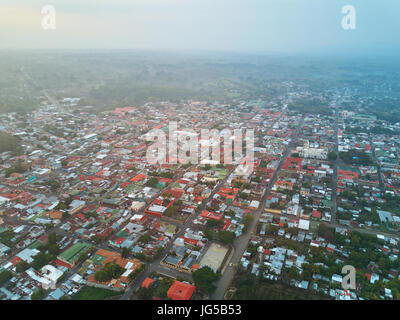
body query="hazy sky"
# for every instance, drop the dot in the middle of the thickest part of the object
(230, 25)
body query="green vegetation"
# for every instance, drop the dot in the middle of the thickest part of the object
(132, 78)
(41, 259)
(157, 289)
(392, 204)
(378, 129)
(39, 294)
(54, 184)
(363, 249)
(312, 106)
(5, 276)
(164, 174)
(110, 271)
(212, 223)
(22, 266)
(9, 142)
(133, 275)
(247, 220)
(152, 182)
(92, 293)
(6, 237)
(172, 210)
(48, 252)
(125, 252)
(356, 157)
(226, 237)
(251, 287)
(18, 168)
(332, 156)
(326, 232)
(204, 279)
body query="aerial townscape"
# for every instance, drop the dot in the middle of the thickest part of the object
(226, 150)
(85, 216)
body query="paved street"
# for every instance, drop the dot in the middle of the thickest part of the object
(335, 167)
(240, 244)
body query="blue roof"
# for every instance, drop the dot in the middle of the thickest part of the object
(57, 294)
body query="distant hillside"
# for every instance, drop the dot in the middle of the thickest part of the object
(107, 79)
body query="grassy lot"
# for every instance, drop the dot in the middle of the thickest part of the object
(92, 293)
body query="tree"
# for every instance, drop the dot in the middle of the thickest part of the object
(332, 156)
(145, 238)
(152, 182)
(19, 168)
(212, 223)
(294, 273)
(53, 249)
(247, 219)
(145, 293)
(356, 157)
(355, 239)
(326, 232)
(41, 259)
(133, 275)
(160, 288)
(22, 266)
(83, 256)
(5, 276)
(315, 269)
(110, 271)
(125, 252)
(54, 185)
(39, 294)
(209, 234)
(52, 238)
(226, 236)
(8, 142)
(172, 210)
(307, 272)
(204, 279)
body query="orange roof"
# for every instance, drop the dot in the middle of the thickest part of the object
(139, 177)
(116, 258)
(211, 215)
(180, 291)
(55, 214)
(147, 282)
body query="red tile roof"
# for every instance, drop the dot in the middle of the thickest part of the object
(147, 282)
(180, 291)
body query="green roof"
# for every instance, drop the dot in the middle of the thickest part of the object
(364, 116)
(326, 203)
(98, 260)
(123, 234)
(111, 201)
(160, 185)
(35, 245)
(72, 253)
(171, 228)
(348, 168)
